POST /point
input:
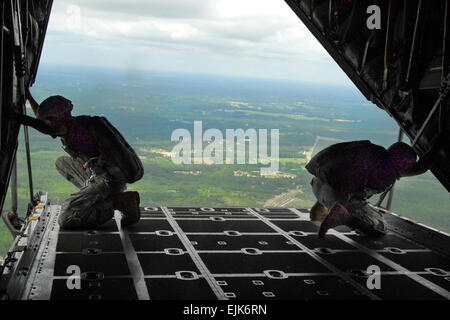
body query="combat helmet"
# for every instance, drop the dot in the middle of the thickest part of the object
(404, 157)
(54, 106)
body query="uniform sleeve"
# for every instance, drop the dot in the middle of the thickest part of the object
(37, 124)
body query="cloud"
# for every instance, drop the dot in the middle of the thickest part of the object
(148, 8)
(243, 37)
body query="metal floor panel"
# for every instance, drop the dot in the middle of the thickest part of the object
(312, 241)
(155, 242)
(224, 242)
(79, 242)
(232, 253)
(107, 289)
(176, 289)
(293, 288)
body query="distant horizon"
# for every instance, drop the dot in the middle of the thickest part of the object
(349, 85)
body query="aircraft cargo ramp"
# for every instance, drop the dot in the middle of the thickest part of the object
(246, 253)
(223, 253)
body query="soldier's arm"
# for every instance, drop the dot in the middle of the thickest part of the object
(33, 103)
(424, 163)
(419, 168)
(37, 124)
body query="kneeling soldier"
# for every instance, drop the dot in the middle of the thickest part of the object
(100, 164)
(347, 174)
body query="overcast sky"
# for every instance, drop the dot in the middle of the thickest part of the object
(256, 38)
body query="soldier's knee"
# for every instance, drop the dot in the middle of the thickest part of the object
(88, 218)
(67, 220)
(61, 162)
(316, 185)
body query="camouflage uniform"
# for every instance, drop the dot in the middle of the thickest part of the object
(357, 202)
(93, 204)
(349, 174)
(101, 162)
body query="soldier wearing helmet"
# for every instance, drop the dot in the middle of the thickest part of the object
(347, 174)
(100, 163)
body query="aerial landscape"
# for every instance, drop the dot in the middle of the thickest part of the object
(148, 106)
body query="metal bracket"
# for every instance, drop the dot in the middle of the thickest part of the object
(6, 217)
(443, 93)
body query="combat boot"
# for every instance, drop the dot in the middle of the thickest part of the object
(318, 212)
(366, 220)
(128, 204)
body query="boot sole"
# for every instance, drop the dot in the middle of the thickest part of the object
(128, 220)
